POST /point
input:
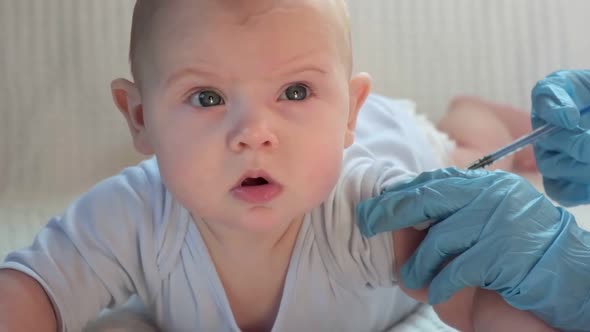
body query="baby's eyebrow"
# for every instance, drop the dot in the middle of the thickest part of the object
(300, 63)
(298, 70)
(295, 65)
(180, 74)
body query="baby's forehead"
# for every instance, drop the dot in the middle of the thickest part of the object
(151, 17)
(246, 9)
(242, 7)
(242, 11)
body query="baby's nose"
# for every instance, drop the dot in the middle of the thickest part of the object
(253, 137)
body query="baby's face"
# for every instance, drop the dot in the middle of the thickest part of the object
(249, 116)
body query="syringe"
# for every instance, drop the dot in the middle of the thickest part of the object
(520, 143)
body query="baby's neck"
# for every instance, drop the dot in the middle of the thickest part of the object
(236, 247)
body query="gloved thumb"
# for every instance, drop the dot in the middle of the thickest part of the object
(425, 198)
(552, 104)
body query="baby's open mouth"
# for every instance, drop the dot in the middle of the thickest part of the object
(256, 187)
(252, 182)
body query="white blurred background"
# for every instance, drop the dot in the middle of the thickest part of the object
(60, 133)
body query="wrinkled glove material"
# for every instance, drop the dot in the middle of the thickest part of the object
(496, 232)
(564, 157)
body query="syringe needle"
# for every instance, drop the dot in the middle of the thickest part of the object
(520, 143)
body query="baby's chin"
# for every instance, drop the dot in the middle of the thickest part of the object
(256, 219)
(265, 220)
(276, 216)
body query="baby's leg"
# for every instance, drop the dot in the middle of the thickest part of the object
(480, 127)
(492, 313)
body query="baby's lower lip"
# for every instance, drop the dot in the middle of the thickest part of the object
(257, 194)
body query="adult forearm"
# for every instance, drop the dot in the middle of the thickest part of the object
(24, 305)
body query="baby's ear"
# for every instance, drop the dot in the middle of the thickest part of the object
(128, 100)
(359, 89)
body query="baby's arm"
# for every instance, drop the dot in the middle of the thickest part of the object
(492, 313)
(102, 248)
(24, 305)
(456, 312)
(470, 309)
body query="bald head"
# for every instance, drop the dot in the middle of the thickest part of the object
(145, 22)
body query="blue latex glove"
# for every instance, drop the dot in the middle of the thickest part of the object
(564, 158)
(500, 233)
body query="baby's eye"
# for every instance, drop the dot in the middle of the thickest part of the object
(206, 98)
(295, 92)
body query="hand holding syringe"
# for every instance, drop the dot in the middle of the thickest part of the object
(520, 143)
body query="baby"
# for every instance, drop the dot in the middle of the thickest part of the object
(244, 219)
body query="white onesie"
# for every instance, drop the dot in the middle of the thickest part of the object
(128, 235)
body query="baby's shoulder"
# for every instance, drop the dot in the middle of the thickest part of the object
(138, 182)
(349, 257)
(364, 177)
(391, 129)
(137, 199)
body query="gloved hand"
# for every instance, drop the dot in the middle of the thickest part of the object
(499, 233)
(564, 158)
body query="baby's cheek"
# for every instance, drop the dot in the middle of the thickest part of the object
(190, 177)
(324, 171)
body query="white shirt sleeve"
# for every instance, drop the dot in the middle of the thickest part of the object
(99, 252)
(389, 148)
(389, 129)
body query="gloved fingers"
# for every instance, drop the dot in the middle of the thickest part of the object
(419, 201)
(394, 210)
(567, 193)
(449, 281)
(472, 268)
(423, 265)
(374, 216)
(388, 211)
(556, 165)
(585, 122)
(444, 241)
(552, 103)
(438, 174)
(575, 143)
